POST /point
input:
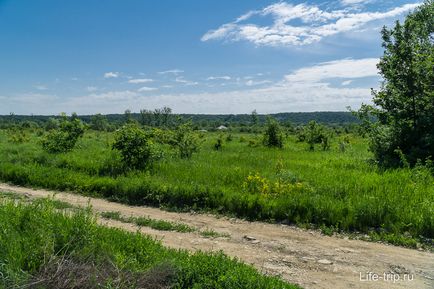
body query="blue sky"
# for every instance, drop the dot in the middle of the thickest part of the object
(93, 56)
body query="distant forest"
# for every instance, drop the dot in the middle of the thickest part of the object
(210, 120)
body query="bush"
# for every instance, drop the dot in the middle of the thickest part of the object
(135, 145)
(315, 133)
(17, 136)
(218, 145)
(64, 138)
(99, 122)
(185, 140)
(273, 136)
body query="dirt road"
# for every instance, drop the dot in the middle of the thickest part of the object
(298, 256)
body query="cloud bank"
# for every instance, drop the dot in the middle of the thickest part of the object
(323, 86)
(298, 25)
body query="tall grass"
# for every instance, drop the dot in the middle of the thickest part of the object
(339, 190)
(39, 245)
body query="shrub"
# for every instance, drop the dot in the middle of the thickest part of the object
(162, 136)
(135, 145)
(185, 140)
(99, 122)
(315, 133)
(273, 134)
(17, 135)
(65, 137)
(218, 145)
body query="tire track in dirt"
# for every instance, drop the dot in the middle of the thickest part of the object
(299, 256)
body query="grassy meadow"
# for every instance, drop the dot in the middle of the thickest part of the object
(335, 190)
(42, 247)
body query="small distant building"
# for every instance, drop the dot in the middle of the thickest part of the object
(222, 127)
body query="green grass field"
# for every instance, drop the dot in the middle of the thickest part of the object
(333, 190)
(42, 247)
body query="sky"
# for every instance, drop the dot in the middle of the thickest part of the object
(195, 56)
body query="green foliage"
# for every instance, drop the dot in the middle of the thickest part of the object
(254, 118)
(186, 141)
(34, 236)
(273, 136)
(218, 145)
(313, 134)
(209, 233)
(135, 146)
(51, 124)
(148, 222)
(404, 105)
(17, 135)
(99, 122)
(64, 138)
(338, 189)
(160, 117)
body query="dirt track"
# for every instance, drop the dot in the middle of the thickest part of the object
(299, 256)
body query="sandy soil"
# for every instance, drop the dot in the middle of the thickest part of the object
(304, 257)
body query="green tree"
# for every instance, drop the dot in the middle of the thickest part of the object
(52, 123)
(128, 116)
(146, 117)
(254, 118)
(135, 146)
(273, 136)
(99, 122)
(315, 133)
(218, 145)
(404, 106)
(64, 138)
(185, 140)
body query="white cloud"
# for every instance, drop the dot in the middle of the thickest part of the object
(314, 24)
(305, 89)
(355, 2)
(349, 2)
(114, 95)
(140, 80)
(146, 88)
(91, 88)
(344, 68)
(40, 87)
(182, 80)
(172, 71)
(275, 98)
(252, 82)
(111, 75)
(225, 77)
(28, 103)
(346, 82)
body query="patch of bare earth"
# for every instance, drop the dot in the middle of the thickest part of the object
(299, 256)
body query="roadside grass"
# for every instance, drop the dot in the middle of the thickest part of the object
(11, 195)
(332, 190)
(61, 205)
(42, 247)
(210, 233)
(161, 225)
